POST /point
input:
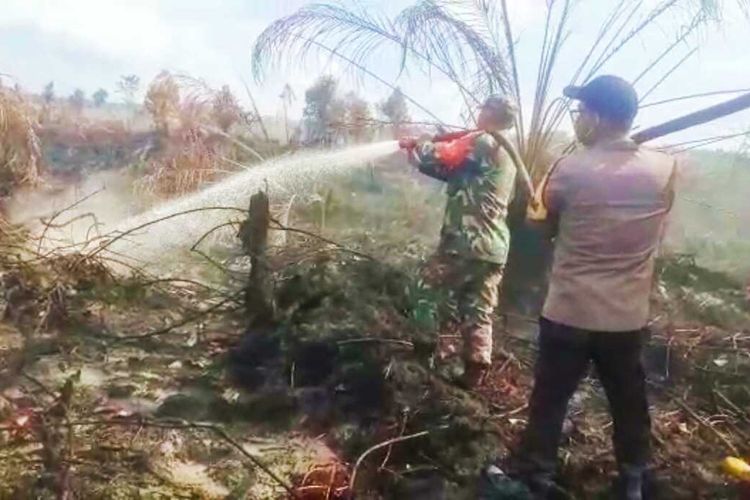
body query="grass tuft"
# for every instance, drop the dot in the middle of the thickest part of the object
(20, 156)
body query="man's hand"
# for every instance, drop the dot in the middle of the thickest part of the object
(407, 143)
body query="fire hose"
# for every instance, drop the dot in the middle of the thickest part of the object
(453, 147)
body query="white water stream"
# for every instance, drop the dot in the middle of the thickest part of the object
(282, 177)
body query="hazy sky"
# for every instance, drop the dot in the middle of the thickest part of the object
(88, 44)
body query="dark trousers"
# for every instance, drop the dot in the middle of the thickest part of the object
(564, 357)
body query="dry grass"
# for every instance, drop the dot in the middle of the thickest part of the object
(20, 156)
(163, 101)
(225, 110)
(193, 122)
(100, 132)
(190, 160)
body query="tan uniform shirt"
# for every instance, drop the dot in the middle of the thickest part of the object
(610, 202)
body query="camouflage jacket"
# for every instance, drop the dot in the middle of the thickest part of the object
(478, 195)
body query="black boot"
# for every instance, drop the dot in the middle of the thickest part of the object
(636, 482)
(494, 484)
(544, 487)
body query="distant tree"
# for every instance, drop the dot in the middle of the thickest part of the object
(100, 97)
(337, 120)
(358, 117)
(321, 109)
(49, 93)
(396, 111)
(163, 101)
(287, 98)
(225, 110)
(128, 86)
(77, 100)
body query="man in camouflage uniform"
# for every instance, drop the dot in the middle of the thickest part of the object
(468, 267)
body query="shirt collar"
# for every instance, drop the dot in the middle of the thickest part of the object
(622, 142)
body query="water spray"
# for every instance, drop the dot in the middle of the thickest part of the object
(281, 177)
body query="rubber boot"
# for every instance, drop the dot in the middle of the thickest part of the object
(632, 483)
(544, 487)
(494, 484)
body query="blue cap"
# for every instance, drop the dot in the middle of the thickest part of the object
(609, 96)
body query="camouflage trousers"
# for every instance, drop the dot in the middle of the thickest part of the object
(458, 296)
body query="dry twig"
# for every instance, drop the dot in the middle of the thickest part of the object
(707, 425)
(182, 424)
(185, 321)
(384, 444)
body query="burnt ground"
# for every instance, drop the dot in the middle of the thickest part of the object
(138, 386)
(114, 402)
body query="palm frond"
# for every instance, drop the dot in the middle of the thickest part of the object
(680, 40)
(668, 73)
(355, 34)
(717, 8)
(628, 21)
(618, 42)
(511, 49)
(471, 42)
(351, 31)
(458, 37)
(543, 116)
(694, 96)
(636, 20)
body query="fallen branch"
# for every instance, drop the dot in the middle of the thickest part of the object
(48, 223)
(157, 281)
(390, 446)
(132, 230)
(39, 384)
(281, 227)
(178, 324)
(211, 231)
(510, 413)
(692, 413)
(739, 411)
(375, 340)
(375, 448)
(213, 262)
(182, 424)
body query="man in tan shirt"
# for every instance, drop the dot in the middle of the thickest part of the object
(607, 204)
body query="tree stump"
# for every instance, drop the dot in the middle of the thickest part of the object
(254, 236)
